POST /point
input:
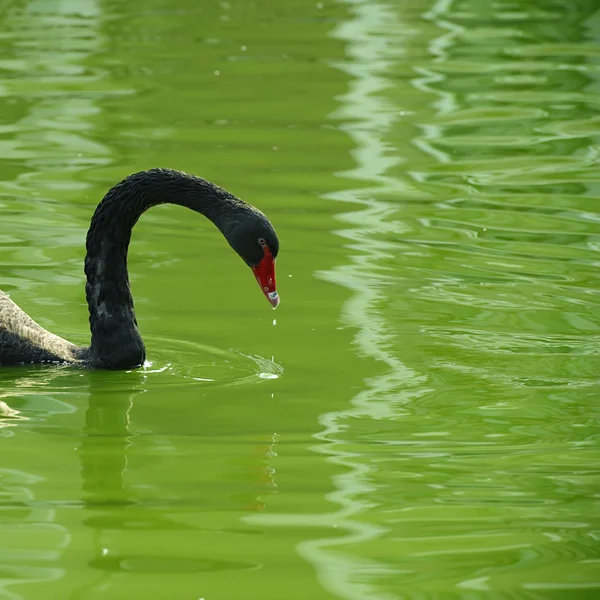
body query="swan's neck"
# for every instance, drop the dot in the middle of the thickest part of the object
(116, 340)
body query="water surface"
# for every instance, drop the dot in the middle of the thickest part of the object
(419, 417)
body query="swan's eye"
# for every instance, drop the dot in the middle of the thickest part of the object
(262, 242)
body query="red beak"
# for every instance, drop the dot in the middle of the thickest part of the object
(265, 275)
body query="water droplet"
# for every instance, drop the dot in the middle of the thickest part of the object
(274, 321)
(217, 72)
(319, 5)
(243, 48)
(268, 376)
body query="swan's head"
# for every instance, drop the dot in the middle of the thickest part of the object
(252, 236)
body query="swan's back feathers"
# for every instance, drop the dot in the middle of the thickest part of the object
(22, 340)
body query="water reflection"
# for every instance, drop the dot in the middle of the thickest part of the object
(32, 541)
(433, 460)
(122, 520)
(113, 509)
(103, 451)
(138, 527)
(373, 36)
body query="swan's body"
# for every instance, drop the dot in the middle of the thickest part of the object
(23, 340)
(116, 342)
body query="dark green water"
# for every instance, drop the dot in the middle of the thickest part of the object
(420, 420)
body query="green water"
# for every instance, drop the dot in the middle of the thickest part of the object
(419, 418)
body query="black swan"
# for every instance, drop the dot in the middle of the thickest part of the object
(116, 341)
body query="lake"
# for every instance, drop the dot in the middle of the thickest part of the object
(419, 418)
